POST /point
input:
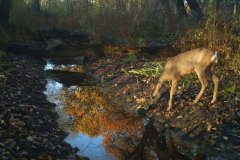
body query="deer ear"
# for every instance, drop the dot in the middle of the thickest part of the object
(214, 57)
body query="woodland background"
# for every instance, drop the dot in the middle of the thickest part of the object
(186, 24)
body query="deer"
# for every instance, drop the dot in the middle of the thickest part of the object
(198, 60)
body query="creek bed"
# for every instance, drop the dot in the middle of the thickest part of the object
(96, 128)
(90, 147)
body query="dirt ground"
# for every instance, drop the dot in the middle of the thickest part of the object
(25, 111)
(28, 126)
(214, 128)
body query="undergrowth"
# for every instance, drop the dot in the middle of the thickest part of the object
(14, 33)
(150, 69)
(2, 56)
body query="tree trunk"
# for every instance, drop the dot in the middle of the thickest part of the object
(36, 7)
(5, 11)
(166, 6)
(181, 8)
(237, 7)
(195, 8)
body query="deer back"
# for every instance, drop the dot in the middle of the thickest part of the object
(188, 62)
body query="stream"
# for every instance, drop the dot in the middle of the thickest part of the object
(97, 129)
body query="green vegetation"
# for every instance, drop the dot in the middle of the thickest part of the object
(130, 58)
(153, 69)
(212, 24)
(187, 80)
(14, 33)
(230, 87)
(137, 22)
(4, 36)
(2, 56)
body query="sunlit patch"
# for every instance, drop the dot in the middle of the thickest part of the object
(48, 66)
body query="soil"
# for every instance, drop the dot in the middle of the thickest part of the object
(28, 126)
(213, 128)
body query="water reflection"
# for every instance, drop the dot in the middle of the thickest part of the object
(65, 67)
(68, 75)
(53, 92)
(95, 116)
(89, 147)
(97, 128)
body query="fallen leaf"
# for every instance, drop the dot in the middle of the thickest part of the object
(209, 127)
(225, 138)
(128, 99)
(179, 117)
(30, 138)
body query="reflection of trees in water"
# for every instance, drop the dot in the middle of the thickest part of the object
(96, 116)
(123, 134)
(82, 107)
(70, 68)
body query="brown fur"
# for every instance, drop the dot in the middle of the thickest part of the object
(198, 60)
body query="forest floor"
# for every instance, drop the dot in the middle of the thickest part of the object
(28, 126)
(213, 128)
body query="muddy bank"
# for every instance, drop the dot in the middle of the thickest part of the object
(28, 127)
(214, 128)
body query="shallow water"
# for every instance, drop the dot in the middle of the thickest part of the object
(99, 130)
(88, 147)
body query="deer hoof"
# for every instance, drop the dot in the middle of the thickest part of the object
(213, 101)
(169, 108)
(193, 103)
(151, 100)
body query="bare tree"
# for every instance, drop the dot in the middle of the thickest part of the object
(195, 9)
(36, 7)
(237, 4)
(180, 8)
(5, 11)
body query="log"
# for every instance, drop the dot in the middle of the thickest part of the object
(70, 78)
(86, 50)
(60, 49)
(159, 49)
(44, 34)
(57, 48)
(66, 61)
(40, 49)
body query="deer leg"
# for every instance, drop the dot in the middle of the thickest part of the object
(215, 91)
(172, 91)
(155, 95)
(215, 82)
(204, 83)
(156, 90)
